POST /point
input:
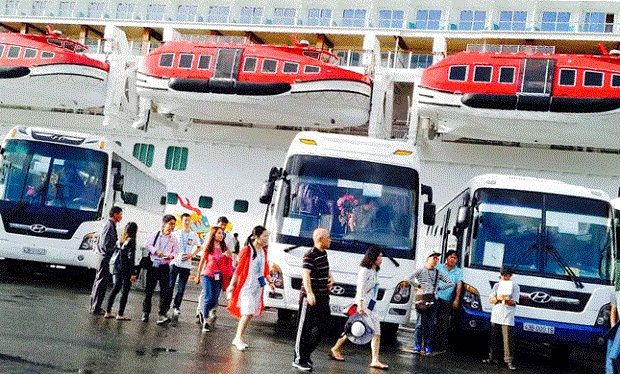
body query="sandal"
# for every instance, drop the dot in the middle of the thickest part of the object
(335, 355)
(108, 315)
(123, 318)
(379, 365)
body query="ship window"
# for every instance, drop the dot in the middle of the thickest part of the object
(592, 79)
(55, 42)
(47, 54)
(615, 80)
(204, 62)
(176, 158)
(249, 65)
(186, 61)
(310, 69)
(144, 153)
(205, 202)
(482, 73)
(30, 53)
(241, 206)
(269, 66)
(14, 51)
(1, 49)
(458, 73)
(290, 68)
(568, 77)
(314, 55)
(172, 198)
(506, 74)
(166, 60)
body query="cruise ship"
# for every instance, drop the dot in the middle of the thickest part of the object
(214, 166)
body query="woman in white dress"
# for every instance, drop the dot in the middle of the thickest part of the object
(245, 292)
(365, 298)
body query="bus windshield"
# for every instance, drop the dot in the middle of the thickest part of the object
(51, 175)
(359, 202)
(553, 236)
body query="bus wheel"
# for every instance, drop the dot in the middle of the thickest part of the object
(388, 333)
(285, 315)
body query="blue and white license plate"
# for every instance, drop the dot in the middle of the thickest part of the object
(336, 309)
(35, 251)
(543, 329)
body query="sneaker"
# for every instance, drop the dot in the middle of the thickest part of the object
(176, 312)
(145, 317)
(428, 351)
(163, 319)
(489, 361)
(201, 318)
(511, 366)
(417, 349)
(205, 327)
(303, 366)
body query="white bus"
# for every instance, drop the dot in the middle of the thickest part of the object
(56, 189)
(325, 182)
(558, 239)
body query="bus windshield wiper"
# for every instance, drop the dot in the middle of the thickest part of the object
(288, 249)
(363, 243)
(571, 274)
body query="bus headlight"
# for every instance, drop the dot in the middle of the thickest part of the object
(402, 292)
(276, 275)
(89, 242)
(471, 297)
(603, 318)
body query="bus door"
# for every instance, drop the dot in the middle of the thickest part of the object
(536, 82)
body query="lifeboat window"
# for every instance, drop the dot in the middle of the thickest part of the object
(166, 60)
(30, 53)
(269, 66)
(69, 46)
(290, 68)
(176, 158)
(314, 55)
(458, 73)
(55, 42)
(615, 80)
(482, 73)
(205, 202)
(14, 51)
(47, 54)
(568, 77)
(507, 74)
(249, 65)
(1, 49)
(592, 79)
(310, 69)
(186, 61)
(204, 62)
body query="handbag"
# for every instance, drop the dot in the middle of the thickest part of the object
(425, 301)
(145, 261)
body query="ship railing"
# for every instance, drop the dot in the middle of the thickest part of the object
(211, 38)
(510, 48)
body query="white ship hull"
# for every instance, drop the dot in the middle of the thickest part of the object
(62, 86)
(317, 104)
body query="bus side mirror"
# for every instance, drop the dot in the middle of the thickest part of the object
(462, 218)
(428, 214)
(269, 185)
(119, 181)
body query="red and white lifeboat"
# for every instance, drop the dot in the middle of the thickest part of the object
(524, 94)
(232, 81)
(49, 72)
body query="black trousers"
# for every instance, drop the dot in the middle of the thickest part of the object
(312, 324)
(100, 285)
(122, 282)
(155, 275)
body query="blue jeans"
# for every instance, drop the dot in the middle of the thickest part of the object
(426, 327)
(613, 351)
(183, 275)
(211, 288)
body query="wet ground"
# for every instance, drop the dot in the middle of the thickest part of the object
(45, 327)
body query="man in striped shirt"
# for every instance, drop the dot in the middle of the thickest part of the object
(314, 300)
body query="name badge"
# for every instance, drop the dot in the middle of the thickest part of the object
(217, 275)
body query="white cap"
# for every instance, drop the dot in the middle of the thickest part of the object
(431, 253)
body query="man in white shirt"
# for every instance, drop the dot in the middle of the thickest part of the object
(180, 266)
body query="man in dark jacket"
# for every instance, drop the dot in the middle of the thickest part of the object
(107, 244)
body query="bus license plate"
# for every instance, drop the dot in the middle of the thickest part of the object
(35, 251)
(336, 309)
(539, 328)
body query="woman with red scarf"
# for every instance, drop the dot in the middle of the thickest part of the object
(245, 291)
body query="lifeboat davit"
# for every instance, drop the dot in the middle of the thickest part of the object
(232, 81)
(49, 72)
(526, 94)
